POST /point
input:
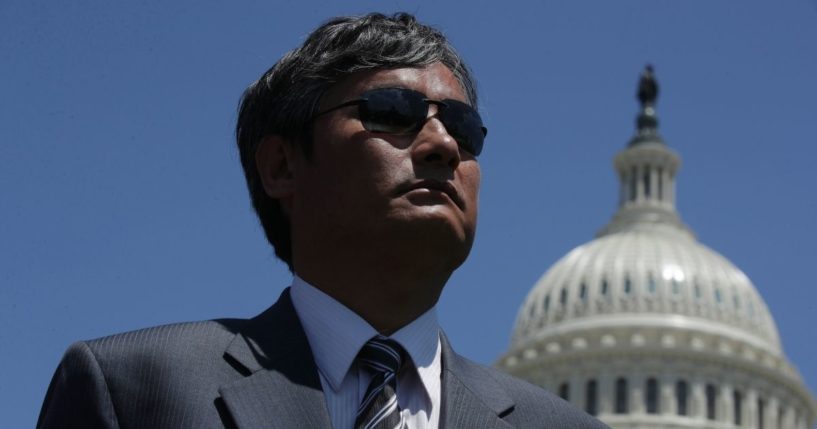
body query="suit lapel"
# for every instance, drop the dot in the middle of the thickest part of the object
(282, 388)
(471, 398)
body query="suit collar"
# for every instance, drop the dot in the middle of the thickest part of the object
(282, 388)
(272, 338)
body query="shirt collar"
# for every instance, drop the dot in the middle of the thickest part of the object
(336, 335)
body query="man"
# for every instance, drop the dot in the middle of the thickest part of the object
(360, 152)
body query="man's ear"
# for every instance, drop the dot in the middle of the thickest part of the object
(273, 159)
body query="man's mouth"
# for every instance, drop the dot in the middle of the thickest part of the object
(438, 186)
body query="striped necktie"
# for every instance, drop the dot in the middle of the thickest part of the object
(382, 358)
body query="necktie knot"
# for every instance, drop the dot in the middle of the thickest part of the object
(381, 355)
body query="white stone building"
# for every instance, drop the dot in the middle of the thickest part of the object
(646, 327)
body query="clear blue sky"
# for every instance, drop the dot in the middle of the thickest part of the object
(123, 203)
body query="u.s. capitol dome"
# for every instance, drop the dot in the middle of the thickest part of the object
(646, 327)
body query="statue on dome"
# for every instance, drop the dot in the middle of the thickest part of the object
(647, 86)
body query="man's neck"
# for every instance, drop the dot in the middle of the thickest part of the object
(387, 299)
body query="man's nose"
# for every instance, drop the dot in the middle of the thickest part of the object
(433, 145)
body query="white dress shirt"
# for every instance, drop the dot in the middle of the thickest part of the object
(336, 335)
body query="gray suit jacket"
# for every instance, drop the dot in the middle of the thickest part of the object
(257, 373)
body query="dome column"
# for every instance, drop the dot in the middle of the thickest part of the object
(637, 394)
(670, 183)
(697, 408)
(664, 184)
(750, 409)
(770, 413)
(640, 191)
(577, 391)
(606, 393)
(788, 417)
(668, 403)
(552, 384)
(726, 409)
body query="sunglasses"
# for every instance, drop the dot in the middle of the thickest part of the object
(405, 111)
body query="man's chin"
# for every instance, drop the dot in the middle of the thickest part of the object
(438, 236)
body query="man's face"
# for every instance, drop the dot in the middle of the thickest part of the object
(364, 189)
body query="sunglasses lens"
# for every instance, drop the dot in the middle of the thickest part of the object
(393, 110)
(404, 111)
(464, 124)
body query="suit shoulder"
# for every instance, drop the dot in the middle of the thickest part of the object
(180, 340)
(172, 370)
(535, 404)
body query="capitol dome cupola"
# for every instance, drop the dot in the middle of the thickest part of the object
(646, 170)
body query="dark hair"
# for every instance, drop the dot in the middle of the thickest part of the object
(284, 100)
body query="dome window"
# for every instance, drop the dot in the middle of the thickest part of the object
(676, 286)
(652, 396)
(583, 291)
(681, 393)
(628, 285)
(621, 396)
(718, 296)
(651, 285)
(546, 304)
(563, 296)
(564, 391)
(660, 184)
(647, 183)
(697, 290)
(711, 399)
(604, 286)
(591, 398)
(737, 402)
(736, 301)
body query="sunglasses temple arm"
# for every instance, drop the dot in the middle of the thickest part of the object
(340, 106)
